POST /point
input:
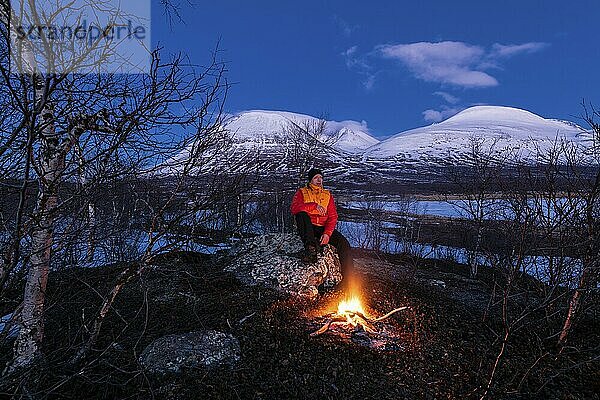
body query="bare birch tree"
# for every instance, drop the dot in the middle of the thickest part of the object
(475, 182)
(584, 197)
(306, 141)
(543, 250)
(65, 128)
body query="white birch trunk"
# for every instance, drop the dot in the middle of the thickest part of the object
(4, 265)
(31, 333)
(584, 283)
(91, 234)
(90, 226)
(240, 212)
(589, 273)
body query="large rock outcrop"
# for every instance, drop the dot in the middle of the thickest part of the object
(174, 354)
(271, 260)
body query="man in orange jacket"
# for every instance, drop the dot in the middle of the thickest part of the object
(316, 217)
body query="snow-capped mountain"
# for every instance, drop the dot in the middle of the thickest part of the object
(506, 130)
(260, 142)
(265, 128)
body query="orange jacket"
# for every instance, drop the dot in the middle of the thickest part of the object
(307, 198)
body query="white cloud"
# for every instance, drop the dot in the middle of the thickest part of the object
(369, 81)
(440, 115)
(344, 26)
(447, 97)
(455, 63)
(351, 58)
(455, 53)
(432, 115)
(359, 64)
(443, 62)
(505, 51)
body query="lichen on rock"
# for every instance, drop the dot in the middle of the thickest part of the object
(271, 260)
(190, 351)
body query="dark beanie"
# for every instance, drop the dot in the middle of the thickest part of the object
(313, 172)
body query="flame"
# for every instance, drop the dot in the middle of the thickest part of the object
(352, 310)
(350, 305)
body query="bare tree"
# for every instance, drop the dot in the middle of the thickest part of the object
(475, 183)
(584, 199)
(306, 142)
(65, 136)
(541, 245)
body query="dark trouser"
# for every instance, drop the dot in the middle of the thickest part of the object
(310, 234)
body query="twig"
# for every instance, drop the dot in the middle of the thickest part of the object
(241, 321)
(390, 313)
(322, 329)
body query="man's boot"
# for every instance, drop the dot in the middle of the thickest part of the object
(310, 254)
(321, 250)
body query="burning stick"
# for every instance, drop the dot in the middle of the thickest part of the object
(361, 320)
(322, 329)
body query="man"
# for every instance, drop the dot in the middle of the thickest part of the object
(316, 217)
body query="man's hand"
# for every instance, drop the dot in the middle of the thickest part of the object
(324, 239)
(321, 210)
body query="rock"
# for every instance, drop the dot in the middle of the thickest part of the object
(438, 283)
(189, 351)
(269, 260)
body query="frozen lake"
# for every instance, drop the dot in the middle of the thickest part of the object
(361, 234)
(492, 209)
(418, 207)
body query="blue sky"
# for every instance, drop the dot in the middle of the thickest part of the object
(396, 64)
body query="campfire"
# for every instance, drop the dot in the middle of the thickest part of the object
(351, 317)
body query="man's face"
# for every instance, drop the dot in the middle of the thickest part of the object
(317, 180)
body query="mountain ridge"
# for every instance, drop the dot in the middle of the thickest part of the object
(260, 141)
(505, 128)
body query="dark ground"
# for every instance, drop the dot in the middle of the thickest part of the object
(450, 339)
